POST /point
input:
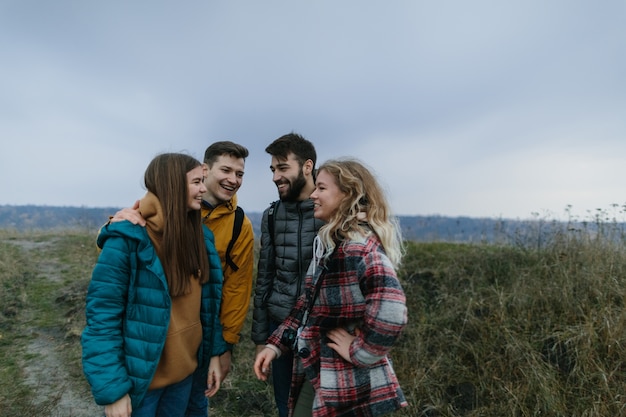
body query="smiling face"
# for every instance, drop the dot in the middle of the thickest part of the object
(223, 178)
(289, 177)
(327, 196)
(195, 188)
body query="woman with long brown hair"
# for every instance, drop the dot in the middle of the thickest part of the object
(154, 299)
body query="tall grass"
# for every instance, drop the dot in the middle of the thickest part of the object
(516, 330)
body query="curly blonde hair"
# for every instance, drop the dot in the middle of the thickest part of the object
(364, 210)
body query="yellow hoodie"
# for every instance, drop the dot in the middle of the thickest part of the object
(237, 287)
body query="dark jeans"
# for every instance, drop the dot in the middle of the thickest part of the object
(282, 369)
(170, 401)
(198, 404)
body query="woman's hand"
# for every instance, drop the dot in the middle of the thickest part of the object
(262, 363)
(214, 378)
(120, 408)
(340, 341)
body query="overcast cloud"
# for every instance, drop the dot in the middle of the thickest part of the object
(486, 108)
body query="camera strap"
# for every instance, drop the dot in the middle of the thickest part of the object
(312, 297)
(318, 252)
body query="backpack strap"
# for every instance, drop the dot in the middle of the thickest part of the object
(239, 214)
(271, 220)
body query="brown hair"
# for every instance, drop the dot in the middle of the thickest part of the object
(225, 147)
(296, 144)
(182, 250)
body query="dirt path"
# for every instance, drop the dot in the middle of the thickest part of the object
(48, 376)
(58, 384)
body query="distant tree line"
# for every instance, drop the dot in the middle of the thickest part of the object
(33, 217)
(415, 228)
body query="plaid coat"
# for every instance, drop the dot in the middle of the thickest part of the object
(359, 289)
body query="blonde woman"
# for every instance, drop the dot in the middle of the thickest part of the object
(354, 308)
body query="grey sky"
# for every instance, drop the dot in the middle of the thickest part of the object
(483, 108)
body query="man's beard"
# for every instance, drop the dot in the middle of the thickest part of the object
(295, 188)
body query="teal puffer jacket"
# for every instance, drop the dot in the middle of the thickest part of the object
(128, 314)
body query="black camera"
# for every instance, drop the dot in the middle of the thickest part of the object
(289, 338)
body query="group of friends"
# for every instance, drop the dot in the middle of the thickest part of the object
(173, 282)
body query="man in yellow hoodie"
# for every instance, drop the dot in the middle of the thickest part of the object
(225, 162)
(224, 169)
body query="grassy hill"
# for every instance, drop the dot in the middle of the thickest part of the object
(533, 328)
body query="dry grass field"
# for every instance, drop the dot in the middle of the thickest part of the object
(535, 328)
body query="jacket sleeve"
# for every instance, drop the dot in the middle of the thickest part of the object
(385, 314)
(292, 322)
(213, 341)
(264, 282)
(102, 339)
(237, 287)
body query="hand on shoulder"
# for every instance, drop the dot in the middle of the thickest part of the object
(132, 214)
